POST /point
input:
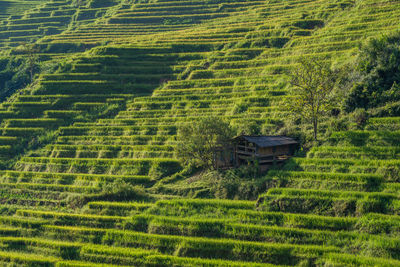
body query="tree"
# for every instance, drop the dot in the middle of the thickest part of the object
(77, 3)
(198, 141)
(313, 95)
(32, 60)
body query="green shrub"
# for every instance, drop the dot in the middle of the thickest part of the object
(377, 64)
(162, 169)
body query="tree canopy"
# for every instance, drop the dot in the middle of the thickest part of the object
(199, 140)
(313, 95)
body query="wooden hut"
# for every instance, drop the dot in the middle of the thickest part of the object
(266, 150)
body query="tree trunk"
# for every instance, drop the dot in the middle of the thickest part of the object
(315, 124)
(31, 73)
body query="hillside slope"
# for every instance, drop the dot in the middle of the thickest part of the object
(15, 8)
(82, 145)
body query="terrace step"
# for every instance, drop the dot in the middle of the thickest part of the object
(234, 65)
(326, 202)
(68, 178)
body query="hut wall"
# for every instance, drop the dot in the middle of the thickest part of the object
(282, 150)
(277, 150)
(265, 151)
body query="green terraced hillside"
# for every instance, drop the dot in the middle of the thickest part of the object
(16, 8)
(89, 174)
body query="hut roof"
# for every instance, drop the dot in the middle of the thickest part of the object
(268, 141)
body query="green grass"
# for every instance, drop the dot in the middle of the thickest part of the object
(129, 74)
(334, 259)
(73, 219)
(27, 259)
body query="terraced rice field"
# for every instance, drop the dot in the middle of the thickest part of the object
(111, 114)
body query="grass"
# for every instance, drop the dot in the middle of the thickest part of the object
(26, 259)
(199, 247)
(127, 76)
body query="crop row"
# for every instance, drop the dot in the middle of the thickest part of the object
(346, 162)
(246, 214)
(225, 229)
(354, 152)
(333, 181)
(68, 178)
(331, 203)
(193, 246)
(121, 140)
(117, 208)
(118, 130)
(87, 153)
(95, 253)
(58, 218)
(49, 187)
(156, 167)
(363, 138)
(90, 87)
